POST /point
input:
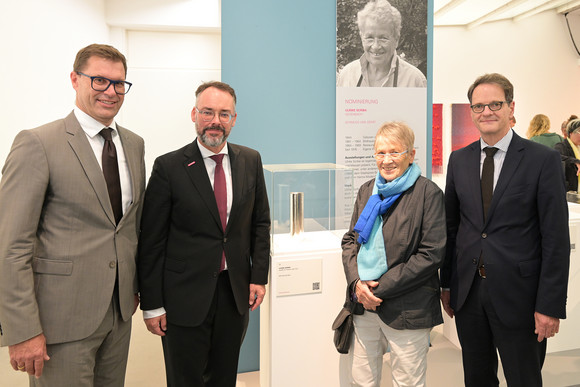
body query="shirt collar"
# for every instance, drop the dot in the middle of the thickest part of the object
(91, 126)
(502, 144)
(206, 153)
(364, 64)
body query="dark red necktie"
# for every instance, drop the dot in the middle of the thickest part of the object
(111, 172)
(221, 196)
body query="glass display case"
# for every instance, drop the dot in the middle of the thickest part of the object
(309, 197)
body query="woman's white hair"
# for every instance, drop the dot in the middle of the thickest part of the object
(396, 132)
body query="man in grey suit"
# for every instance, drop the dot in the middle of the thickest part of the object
(68, 235)
(204, 256)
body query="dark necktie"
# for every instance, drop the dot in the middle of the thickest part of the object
(487, 179)
(220, 192)
(111, 172)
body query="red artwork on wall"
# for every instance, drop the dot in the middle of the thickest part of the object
(437, 139)
(463, 131)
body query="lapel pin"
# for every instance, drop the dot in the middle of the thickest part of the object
(190, 164)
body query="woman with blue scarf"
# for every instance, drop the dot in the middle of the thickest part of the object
(391, 256)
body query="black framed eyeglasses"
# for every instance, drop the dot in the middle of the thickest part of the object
(208, 115)
(102, 84)
(493, 106)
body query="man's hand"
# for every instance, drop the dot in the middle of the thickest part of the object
(157, 325)
(445, 301)
(29, 356)
(257, 293)
(546, 326)
(364, 294)
(136, 302)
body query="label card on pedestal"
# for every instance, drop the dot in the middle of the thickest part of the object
(298, 276)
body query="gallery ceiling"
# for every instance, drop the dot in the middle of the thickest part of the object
(472, 13)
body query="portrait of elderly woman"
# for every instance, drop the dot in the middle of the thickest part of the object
(391, 255)
(379, 26)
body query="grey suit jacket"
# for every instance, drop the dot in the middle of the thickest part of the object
(60, 250)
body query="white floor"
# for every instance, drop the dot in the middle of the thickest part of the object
(145, 369)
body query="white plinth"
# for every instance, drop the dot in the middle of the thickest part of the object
(296, 347)
(568, 337)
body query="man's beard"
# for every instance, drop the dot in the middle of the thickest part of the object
(212, 141)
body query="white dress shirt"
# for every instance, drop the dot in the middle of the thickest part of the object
(499, 157)
(92, 127)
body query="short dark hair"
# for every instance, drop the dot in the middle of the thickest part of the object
(218, 85)
(99, 50)
(499, 80)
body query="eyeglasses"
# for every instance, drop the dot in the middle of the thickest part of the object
(102, 84)
(493, 106)
(208, 115)
(392, 156)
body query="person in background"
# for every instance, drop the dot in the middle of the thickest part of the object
(204, 250)
(505, 275)
(539, 131)
(391, 255)
(70, 201)
(564, 127)
(379, 25)
(570, 155)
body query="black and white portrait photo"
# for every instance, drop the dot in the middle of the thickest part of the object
(381, 43)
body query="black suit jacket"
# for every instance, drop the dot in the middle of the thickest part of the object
(570, 167)
(182, 239)
(525, 241)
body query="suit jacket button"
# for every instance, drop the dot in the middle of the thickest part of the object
(474, 261)
(484, 235)
(112, 264)
(225, 240)
(215, 274)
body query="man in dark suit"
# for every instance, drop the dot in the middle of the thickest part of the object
(68, 235)
(204, 247)
(508, 248)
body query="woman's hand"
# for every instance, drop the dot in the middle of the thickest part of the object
(364, 294)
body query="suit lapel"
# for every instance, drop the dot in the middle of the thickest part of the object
(132, 153)
(512, 160)
(238, 167)
(195, 169)
(79, 143)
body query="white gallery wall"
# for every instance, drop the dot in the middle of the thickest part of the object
(170, 45)
(38, 41)
(536, 54)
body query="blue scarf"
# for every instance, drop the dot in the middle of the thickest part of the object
(371, 258)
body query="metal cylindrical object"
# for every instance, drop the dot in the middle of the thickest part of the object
(296, 213)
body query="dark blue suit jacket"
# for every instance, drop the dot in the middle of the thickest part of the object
(525, 241)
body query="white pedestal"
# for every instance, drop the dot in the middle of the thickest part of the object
(296, 347)
(568, 337)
